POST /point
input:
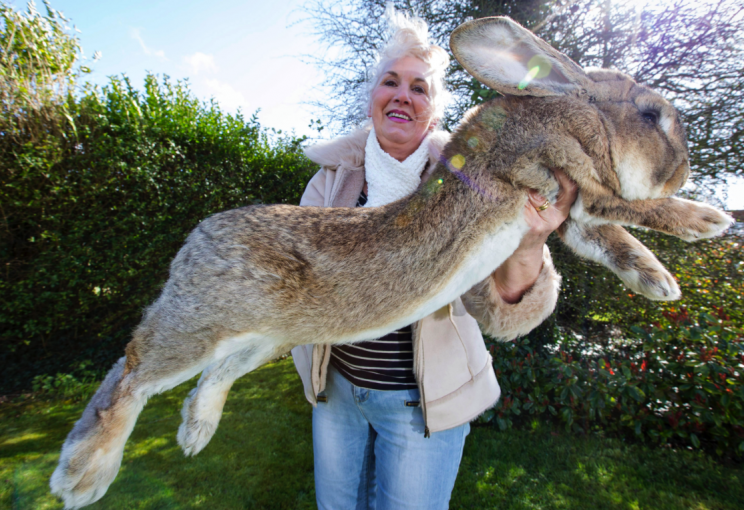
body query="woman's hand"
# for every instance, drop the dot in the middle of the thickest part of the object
(520, 271)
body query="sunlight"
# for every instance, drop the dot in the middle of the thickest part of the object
(734, 193)
(31, 436)
(145, 446)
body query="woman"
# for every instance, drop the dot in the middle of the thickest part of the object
(391, 415)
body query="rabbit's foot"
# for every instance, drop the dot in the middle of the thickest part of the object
(85, 475)
(194, 436)
(202, 410)
(200, 420)
(613, 247)
(651, 280)
(701, 221)
(92, 453)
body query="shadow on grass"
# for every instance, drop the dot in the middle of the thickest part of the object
(261, 457)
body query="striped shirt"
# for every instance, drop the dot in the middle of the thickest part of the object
(382, 364)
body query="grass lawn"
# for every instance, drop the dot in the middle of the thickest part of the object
(261, 457)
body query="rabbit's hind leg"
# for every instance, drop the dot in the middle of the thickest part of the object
(202, 409)
(88, 463)
(92, 453)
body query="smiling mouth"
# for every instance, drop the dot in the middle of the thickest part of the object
(399, 115)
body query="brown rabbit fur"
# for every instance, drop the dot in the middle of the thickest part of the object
(251, 283)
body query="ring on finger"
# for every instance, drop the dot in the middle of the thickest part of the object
(543, 207)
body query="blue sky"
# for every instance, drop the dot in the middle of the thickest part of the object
(243, 53)
(246, 54)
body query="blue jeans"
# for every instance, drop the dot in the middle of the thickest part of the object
(371, 453)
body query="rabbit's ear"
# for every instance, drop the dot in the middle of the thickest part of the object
(512, 60)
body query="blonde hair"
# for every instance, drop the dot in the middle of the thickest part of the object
(409, 37)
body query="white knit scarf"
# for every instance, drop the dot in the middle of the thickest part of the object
(387, 178)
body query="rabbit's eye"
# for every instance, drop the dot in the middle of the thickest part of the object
(650, 116)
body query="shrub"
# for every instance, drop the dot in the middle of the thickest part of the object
(92, 217)
(681, 383)
(79, 385)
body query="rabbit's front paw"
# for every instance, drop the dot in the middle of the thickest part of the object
(652, 281)
(702, 221)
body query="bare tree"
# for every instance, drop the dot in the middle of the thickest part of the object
(690, 49)
(353, 30)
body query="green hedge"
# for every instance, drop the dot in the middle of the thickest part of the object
(92, 214)
(677, 383)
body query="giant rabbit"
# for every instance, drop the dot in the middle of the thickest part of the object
(251, 283)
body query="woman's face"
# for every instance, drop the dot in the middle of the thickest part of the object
(401, 108)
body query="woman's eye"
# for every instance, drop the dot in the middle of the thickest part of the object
(390, 83)
(419, 90)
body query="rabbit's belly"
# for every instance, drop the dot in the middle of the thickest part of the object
(264, 347)
(483, 259)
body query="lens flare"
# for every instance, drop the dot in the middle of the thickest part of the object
(539, 67)
(527, 79)
(458, 161)
(473, 142)
(465, 179)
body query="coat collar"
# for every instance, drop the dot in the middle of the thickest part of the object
(345, 156)
(348, 151)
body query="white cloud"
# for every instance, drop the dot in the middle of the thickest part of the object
(200, 62)
(155, 53)
(226, 95)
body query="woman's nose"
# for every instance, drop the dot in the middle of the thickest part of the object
(402, 96)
